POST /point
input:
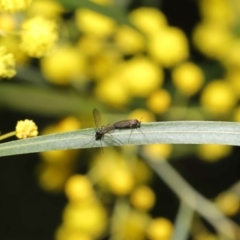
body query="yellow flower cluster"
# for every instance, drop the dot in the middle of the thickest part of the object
(64, 65)
(140, 75)
(14, 5)
(49, 9)
(228, 203)
(38, 36)
(169, 46)
(213, 152)
(215, 37)
(148, 20)
(7, 63)
(26, 129)
(91, 22)
(85, 217)
(218, 97)
(188, 78)
(160, 228)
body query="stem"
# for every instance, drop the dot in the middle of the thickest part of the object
(7, 135)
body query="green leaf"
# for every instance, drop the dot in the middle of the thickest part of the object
(187, 132)
(43, 100)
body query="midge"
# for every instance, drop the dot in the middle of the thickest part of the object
(100, 131)
(125, 124)
(128, 124)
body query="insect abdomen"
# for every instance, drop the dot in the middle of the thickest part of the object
(133, 123)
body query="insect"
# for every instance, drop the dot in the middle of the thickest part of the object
(128, 124)
(100, 131)
(125, 124)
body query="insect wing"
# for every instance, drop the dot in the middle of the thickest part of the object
(108, 129)
(100, 130)
(97, 117)
(121, 124)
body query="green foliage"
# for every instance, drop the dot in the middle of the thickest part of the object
(46, 101)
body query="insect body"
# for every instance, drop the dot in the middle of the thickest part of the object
(124, 124)
(128, 124)
(100, 131)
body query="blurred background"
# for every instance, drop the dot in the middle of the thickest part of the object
(155, 60)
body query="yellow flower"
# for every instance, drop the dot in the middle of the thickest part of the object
(7, 23)
(91, 45)
(159, 101)
(88, 217)
(232, 57)
(121, 180)
(52, 177)
(213, 152)
(188, 78)
(141, 76)
(148, 20)
(219, 11)
(14, 5)
(130, 225)
(112, 91)
(79, 188)
(143, 198)
(228, 203)
(218, 97)
(212, 39)
(142, 172)
(38, 36)
(7, 63)
(158, 151)
(144, 115)
(67, 124)
(129, 40)
(46, 8)
(94, 23)
(105, 63)
(26, 129)
(169, 46)
(11, 42)
(160, 228)
(64, 65)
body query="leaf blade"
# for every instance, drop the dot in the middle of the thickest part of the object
(185, 132)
